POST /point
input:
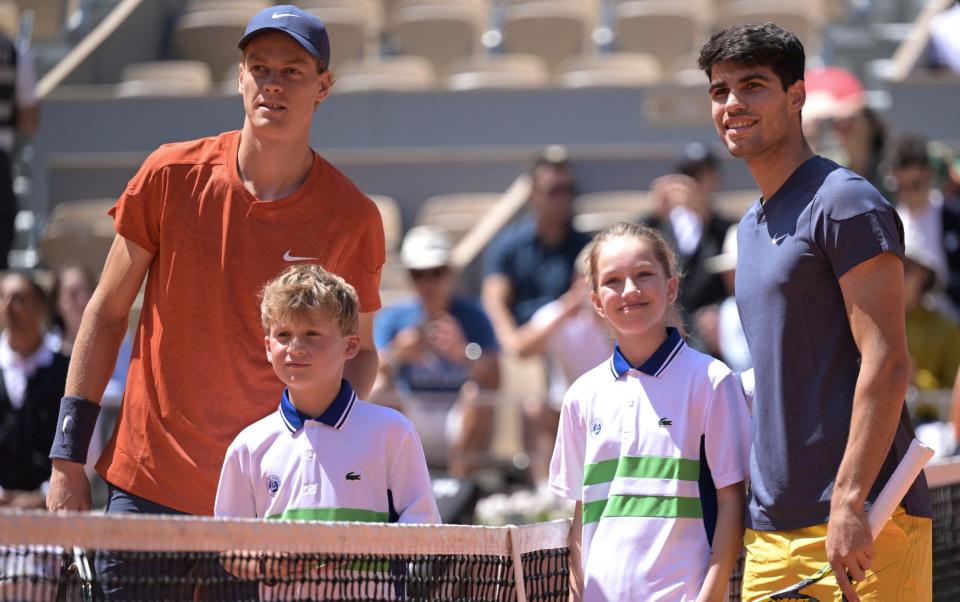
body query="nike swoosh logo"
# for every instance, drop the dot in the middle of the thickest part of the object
(279, 15)
(776, 240)
(288, 257)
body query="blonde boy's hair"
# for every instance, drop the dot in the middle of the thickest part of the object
(306, 287)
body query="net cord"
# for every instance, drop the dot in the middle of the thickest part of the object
(205, 534)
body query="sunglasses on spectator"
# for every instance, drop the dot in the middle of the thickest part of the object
(431, 273)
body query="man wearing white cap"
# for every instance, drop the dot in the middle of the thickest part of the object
(207, 222)
(439, 357)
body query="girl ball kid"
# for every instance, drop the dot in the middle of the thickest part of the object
(653, 443)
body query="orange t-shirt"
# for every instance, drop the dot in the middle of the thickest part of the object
(199, 373)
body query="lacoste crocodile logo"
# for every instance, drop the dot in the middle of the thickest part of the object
(665, 422)
(352, 476)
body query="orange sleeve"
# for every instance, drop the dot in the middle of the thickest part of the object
(138, 210)
(370, 258)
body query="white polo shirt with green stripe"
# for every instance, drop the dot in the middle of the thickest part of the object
(629, 447)
(348, 464)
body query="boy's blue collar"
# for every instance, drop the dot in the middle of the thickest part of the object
(334, 416)
(656, 363)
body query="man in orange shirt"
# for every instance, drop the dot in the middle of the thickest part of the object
(208, 222)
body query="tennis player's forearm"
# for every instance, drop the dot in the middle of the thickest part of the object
(95, 354)
(877, 404)
(727, 539)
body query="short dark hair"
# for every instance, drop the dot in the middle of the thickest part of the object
(755, 44)
(910, 150)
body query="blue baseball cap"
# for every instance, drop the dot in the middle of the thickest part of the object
(308, 30)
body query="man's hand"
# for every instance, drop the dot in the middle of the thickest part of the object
(446, 337)
(677, 190)
(408, 345)
(69, 487)
(849, 547)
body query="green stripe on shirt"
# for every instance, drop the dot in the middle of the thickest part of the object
(641, 467)
(651, 506)
(332, 514)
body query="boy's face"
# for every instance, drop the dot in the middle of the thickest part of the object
(310, 353)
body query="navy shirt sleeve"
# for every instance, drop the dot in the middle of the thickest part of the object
(495, 260)
(855, 233)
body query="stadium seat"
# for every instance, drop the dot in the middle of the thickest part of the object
(353, 25)
(596, 211)
(9, 18)
(665, 29)
(49, 18)
(392, 220)
(78, 232)
(210, 36)
(499, 71)
(394, 282)
(83, 211)
(614, 70)
(443, 31)
(456, 213)
(801, 18)
(249, 6)
(551, 29)
(165, 78)
(389, 73)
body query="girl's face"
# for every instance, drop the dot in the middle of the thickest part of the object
(633, 291)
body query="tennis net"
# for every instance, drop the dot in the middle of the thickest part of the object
(50, 557)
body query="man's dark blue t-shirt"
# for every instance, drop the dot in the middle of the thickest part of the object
(539, 274)
(792, 250)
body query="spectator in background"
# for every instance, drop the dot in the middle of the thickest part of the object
(943, 45)
(862, 139)
(530, 264)
(933, 338)
(438, 358)
(839, 124)
(933, 341)
(73, 287)
(689, 225)
(19, 115)
(30, 391)
(730, 342)
(922, 208)
(573, 338)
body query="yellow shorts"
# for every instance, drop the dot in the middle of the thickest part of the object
(902, 570)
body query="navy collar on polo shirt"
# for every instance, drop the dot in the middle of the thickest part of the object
(334, 416)
(656, 363)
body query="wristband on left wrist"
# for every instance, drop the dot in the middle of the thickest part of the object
(75, 425)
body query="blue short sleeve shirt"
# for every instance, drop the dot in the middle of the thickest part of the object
(434, 373)
(792, 250)
(539, 274)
